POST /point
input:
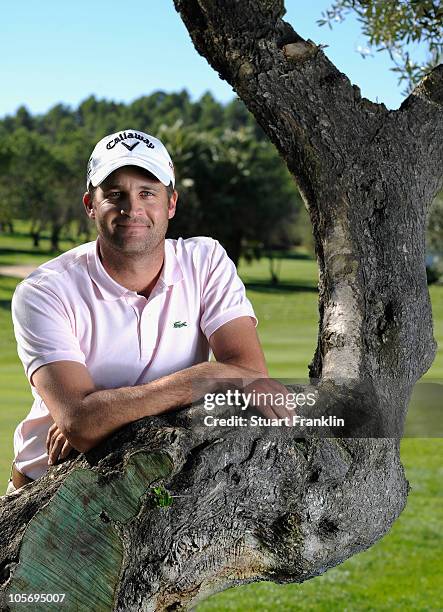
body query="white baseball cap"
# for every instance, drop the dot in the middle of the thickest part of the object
(129, 148)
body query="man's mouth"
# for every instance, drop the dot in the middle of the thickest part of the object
(132, 225)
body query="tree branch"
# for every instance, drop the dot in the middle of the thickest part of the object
(421, 114)
(263, 58)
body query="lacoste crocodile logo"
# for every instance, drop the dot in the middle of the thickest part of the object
(180, 324)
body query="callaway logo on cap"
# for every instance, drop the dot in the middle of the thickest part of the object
(129, 148)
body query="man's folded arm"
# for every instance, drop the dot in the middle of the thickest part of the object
(87, 415)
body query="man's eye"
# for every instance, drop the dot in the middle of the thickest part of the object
(114, 194)
(146, 193)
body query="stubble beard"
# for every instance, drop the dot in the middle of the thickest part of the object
(144, 245)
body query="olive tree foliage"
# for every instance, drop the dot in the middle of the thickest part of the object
(395, 27)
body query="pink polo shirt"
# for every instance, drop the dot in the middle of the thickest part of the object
(71, 309)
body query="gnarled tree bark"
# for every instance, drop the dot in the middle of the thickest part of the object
(248, 503)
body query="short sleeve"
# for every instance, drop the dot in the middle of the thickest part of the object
(42, 328)
(223, 295)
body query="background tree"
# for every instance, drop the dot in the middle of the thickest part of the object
(6, 211)
(31, 182)
(233, 188)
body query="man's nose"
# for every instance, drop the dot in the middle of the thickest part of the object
(133, 206)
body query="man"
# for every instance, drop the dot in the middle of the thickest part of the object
(118, 329)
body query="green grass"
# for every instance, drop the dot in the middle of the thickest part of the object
(287, 314)
(16, 248)
(402, 571)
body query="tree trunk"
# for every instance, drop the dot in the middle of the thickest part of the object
(55, 237)
(233, 246)
(35, 232)
(84, 229)
(7, 226)
(35, 238)
(367, 175)
(274, 267)
(254, 503)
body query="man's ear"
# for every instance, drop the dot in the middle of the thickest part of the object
(172, 204)
(89, 207)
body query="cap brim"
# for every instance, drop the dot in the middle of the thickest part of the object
(102, 173)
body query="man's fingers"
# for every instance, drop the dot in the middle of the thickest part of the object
(57, 445)
(267, 411)
(283, 412)
(51, 431)
(275, 397)
(65, 450)
(52, 438)
(282, 415)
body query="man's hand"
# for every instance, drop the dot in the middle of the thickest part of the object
(57, 445)
(273, 399)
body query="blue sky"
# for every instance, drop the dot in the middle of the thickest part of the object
(56, 51)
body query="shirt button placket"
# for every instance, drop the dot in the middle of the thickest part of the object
(132, 301)
(148, 330)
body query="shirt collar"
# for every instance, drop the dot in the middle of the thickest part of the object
(112, 290)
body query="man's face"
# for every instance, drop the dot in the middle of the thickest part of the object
(131, 210)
